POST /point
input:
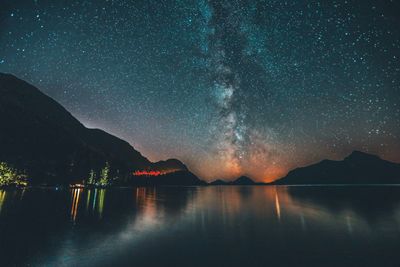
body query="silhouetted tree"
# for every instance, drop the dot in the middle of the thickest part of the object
(10, 176)
(105, 175)
(92, 178)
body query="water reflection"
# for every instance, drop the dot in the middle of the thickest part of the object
(89, 192)
(371, 204)
(10, 197)
(102, 194)
(200, 226)
(75, 202)
(92, 200)
(3, 194)
(277, 205)
(122, 222)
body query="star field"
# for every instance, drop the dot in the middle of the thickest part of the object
(228, 87)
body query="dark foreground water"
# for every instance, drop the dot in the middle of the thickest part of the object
(201, 226)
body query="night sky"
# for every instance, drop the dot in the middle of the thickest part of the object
(228, 87)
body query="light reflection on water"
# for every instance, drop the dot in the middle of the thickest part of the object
(201, 226)
(93, 201)
(2, 198)
(277, 205)
(75, 201)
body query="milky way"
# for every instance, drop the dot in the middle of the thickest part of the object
(228, 87)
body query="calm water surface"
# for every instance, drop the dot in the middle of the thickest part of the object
(201, 226)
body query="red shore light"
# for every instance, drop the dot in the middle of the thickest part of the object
(147, 173)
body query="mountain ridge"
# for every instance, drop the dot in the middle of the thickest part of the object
(241, 180)
(356, 168)
(42, 138)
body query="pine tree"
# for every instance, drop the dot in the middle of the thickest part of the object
(9, 176)
(92, 177)
(105, 175)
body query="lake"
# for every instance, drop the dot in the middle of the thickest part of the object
(201, 226)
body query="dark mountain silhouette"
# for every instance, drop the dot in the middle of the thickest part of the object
(357, 168)
(40, 137)
(219, 182)
(169, 165)
(182, 178)
(242, 180)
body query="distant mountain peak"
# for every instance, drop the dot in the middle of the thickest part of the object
(357, 168)
(219, 182)
(243, 180)
(169, 165)
(359, 155)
